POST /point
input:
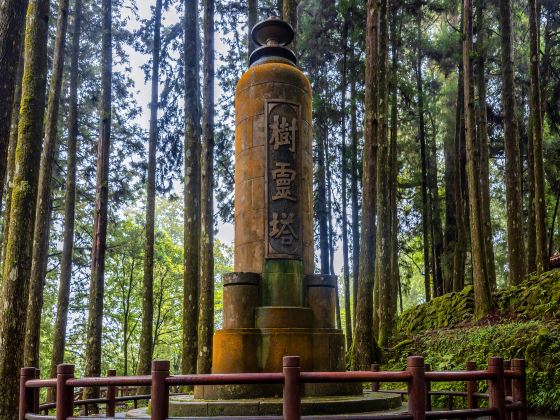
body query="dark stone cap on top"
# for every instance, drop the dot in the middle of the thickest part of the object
(272, 35)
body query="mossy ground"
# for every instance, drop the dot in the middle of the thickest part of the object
(526, 324)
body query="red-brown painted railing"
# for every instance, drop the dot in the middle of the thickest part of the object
(506, 389)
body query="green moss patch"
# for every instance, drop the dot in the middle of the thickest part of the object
(525, 324)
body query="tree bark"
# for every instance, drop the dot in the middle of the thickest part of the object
(44, 195)
(12, 144)
(384, 276)
(17, 266)
(331, 232)
(146, 340)
(344, 198)
(365, 349)
(12, 25)
(59, 340)
(191, 195)
(460, 247)
(482, 133)
(531, 227)
(354, 193)
(97, 282)
(252, 15)
(426, 206)
(515, 236)
(206, 313)
(539, 203)
(482, 291)
(289, 14)
(321, 193)
(435, 210)
(393, 154)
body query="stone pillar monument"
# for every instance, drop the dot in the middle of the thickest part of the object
(274, 304)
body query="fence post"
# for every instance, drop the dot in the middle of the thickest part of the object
(37, 392)
(507, 381)
(111, 393)
(427, 368)
(497, 398)
(416, 387)
(375, 384)
(472, 387)
(26, 395)
(519, 393)
(64, 393)
(159, 392)
(291, 404)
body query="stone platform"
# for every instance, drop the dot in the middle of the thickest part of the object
(186, 406)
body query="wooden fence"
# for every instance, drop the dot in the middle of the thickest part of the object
(506, 389)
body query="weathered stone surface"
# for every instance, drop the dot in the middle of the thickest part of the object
(283, 317)
(322, 301)
(268, 81)
(240, 301)
(311, 406)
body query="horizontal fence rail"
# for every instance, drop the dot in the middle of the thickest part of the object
(506, 394)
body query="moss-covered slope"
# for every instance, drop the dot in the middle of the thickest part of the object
(526, 325)
(535, 298)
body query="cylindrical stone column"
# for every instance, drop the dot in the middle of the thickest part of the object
(274, 164)
(241, 297)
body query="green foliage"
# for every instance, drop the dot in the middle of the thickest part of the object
(526, 326)
(123, 293)
(538, 342)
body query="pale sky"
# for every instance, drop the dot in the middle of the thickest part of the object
(225, 230)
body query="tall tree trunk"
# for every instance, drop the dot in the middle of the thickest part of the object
(329, 204)
(63, 300)
(450, 233)
(437, 232)
(252, 14)
(12, 24)
(206, 312)
(384, 276)
(512, 174)
(191, 194)
(12, 144)
(97, 282)
(146, 340)
(426, 207)
(542, 257)
(331, 231)
(44, 194)
(365, 349)
(289, 14)
(552, 223)
(482, 291)
(17, 266)
(354, 192)
(393, 153)
(531, 227)
(483, 145)
(460, 248)
(321, 194)
(344, 198)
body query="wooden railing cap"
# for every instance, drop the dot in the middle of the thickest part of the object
(65, 369)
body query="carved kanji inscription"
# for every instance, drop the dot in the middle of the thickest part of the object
(283, 180)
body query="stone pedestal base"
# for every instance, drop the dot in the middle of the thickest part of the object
(261, 350)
